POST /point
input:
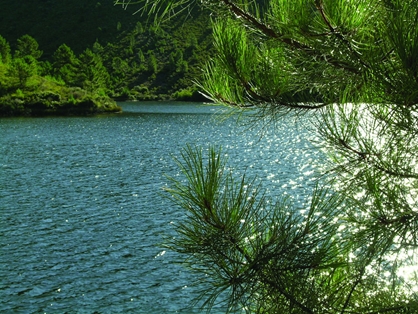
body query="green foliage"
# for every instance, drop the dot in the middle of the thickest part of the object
(141, 56)
(4, 78)
(44, 68)
(27, 88)
(27, 46)
(51, 98)
(158, 57)
(65, 65)
(120, 34)
(97, 48)
(139, 29)
(152, 62)
(93, 75)
(5, 52)
(77, 23)
(188, 94)
(177, 64)
(22, 69)
(63, 56)
(120, 70)
(270, 256)
(19, 93)
(353, 65)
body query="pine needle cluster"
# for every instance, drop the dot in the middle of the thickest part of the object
(354, 65)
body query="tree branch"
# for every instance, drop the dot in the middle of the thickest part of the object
(320, 8)
(294, 44)
(365, 157)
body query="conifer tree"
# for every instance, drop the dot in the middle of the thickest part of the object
(152, 62)
(27, 46)
(352, 66)
(5, 51)
(120, 72)
(66, 64)
(93, 75)
(22, 69)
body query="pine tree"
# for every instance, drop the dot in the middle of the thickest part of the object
(93, 75)
(5, 51)
(152, 62)
(176, 61)
(27, 46)
(120, 72)
(22, 69)
(353, 65)
(66, 64)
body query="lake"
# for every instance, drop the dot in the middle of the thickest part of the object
(82, 211)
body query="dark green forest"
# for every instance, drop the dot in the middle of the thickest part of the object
(79, 57)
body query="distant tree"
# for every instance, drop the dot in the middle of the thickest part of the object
(64, 55)
(4, 78)
(152, 62)
(132, 43)
(141, 56)
(139, 29)
(120, 71)
(193, 42)
(97, 48)
(5, 52)
(27, 46)
(183, 67)
(22, 69)
(93, 75)
(177, 63)
(353, 65)
(44, 68)
(65, 64)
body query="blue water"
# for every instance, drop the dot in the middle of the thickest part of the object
(81, 211)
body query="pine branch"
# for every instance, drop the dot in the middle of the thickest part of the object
(365, 156)
(260, 98)
(292, 43)
(339, 35)
(288, 296)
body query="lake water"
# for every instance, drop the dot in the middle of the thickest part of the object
(82, 216)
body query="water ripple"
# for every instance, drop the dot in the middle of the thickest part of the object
(82, 214)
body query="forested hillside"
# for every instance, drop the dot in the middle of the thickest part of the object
(99, 48)
(76, 23)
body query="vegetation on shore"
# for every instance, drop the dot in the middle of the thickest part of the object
(139, 61)
(29, 86)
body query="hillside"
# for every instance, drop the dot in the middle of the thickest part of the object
(77, 23)
(116, 52)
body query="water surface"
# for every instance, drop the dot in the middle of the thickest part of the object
(82, 214)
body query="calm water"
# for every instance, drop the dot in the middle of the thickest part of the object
(81, 210)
